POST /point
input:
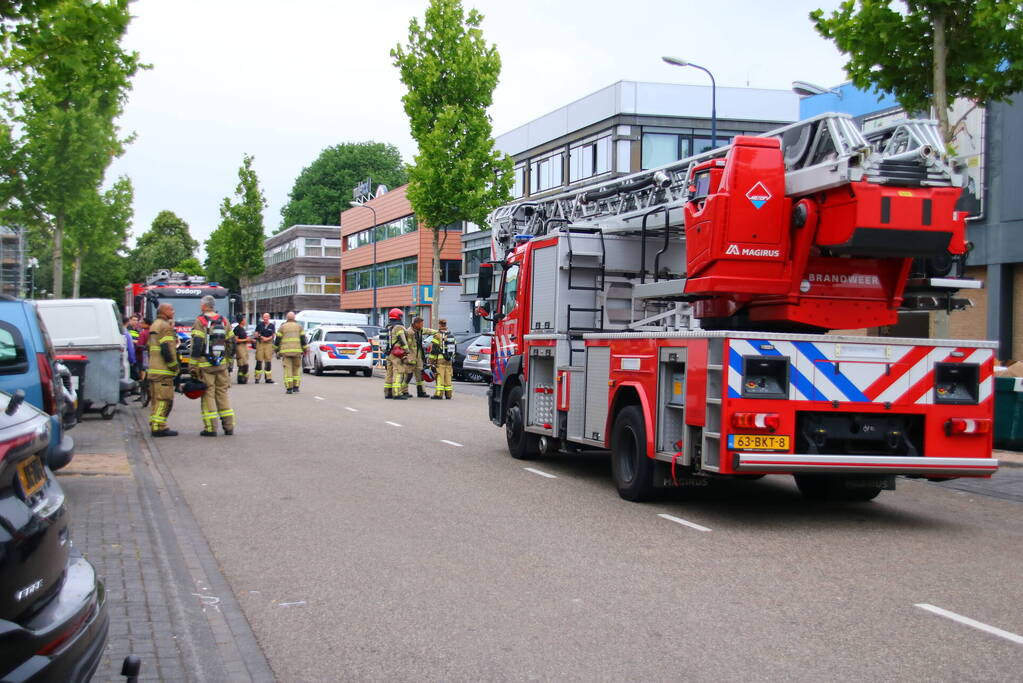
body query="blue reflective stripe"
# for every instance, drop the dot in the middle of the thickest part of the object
(735, 361)
(840, 381)
(798, 380)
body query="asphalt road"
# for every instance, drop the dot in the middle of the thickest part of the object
(379, 540)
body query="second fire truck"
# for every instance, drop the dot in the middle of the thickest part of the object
(684, 318)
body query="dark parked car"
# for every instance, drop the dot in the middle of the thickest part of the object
(28, 362)
(53, 612)
(458, 370)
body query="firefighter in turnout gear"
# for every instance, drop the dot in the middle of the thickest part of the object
(241, 349)
(414, 359)
(212, 345)
(442, 350)
(163, 368)
(290, 344)
(395, 379)
(264, 349)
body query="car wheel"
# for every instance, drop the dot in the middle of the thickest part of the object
(473, 376)
(632, 470)
(317, 367)
(368, 372)
(108, 412)
(521, 444)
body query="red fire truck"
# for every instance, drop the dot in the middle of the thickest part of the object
(684, 318)
(184, 292)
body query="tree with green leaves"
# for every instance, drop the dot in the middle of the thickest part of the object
(927, 53)
(324, 188)
(167, 244)
(71, 83)
(99, 225)
(450, 73)
(234, 250)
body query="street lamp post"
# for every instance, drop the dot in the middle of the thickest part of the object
(675, 61)
(372, 273)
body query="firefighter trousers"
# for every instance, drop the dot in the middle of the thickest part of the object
(292, 370)
(395, 377)
(443, 383)
(215, 403)
(241, 354)
(264, 352)
(161, 389)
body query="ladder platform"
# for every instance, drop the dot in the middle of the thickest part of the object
(662, 289)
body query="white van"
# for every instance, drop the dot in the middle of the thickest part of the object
(92, 328)
(313, 318)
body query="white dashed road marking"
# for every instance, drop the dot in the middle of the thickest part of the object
(683, 522)
(1008, 635)
(319, 398)
(393, 424)
(351, 410)
(542, 474)
(451, 443)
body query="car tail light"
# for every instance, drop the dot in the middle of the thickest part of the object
(767, 421)
(324, 347)
(46, 380)
(15, 443)
(485, 349)
(967, 426)
(68, 633)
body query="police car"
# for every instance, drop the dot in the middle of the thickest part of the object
(336, 347)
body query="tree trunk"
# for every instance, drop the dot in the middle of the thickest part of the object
(435, 278)
(58, 256)
(76, 286)
(940, 101)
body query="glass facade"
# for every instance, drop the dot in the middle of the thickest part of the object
(396, 228)
(389, 274)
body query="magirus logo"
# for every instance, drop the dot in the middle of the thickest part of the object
(734, 250)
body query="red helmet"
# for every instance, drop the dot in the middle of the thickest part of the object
(428, 374)
(193, 388)
(394, 314)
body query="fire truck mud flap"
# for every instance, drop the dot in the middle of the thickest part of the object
(783, 463)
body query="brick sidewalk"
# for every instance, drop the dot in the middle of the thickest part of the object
(129, 520)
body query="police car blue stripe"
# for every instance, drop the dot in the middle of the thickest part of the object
(841, 382)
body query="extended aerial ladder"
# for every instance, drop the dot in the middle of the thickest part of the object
(854, 219)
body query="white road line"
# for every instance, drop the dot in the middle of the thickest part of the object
(683, 522)
(542, 474)
(451, 443)
(393, 424)
(971, 622)
(351, 410)
(319, 398)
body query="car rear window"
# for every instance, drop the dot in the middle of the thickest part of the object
(13, 356)
(345, 337)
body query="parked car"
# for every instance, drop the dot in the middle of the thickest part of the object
(53, 612)
(462, 340)
(337, 347)
(476, 366)
(28, 362)
(373, 334)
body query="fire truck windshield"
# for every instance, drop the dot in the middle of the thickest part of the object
(186, 310)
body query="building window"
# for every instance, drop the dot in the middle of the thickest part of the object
(545, 173)
(450, 271)
(474, 258)
(590, 158)
(396, 228)
(518, 181)
(389, 274)
(313, 247)
(663, 148)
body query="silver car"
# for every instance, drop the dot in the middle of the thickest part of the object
(476, 366)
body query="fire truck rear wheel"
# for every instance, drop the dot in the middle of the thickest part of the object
(521, 444)
(633, 471)
(823, 487)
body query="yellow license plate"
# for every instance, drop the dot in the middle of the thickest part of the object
(758, 442)
(474, 356)
(32, 475)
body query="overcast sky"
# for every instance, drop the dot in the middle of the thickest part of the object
(284, 80)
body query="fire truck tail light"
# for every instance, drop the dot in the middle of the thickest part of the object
(960, 426)
(768, 421)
